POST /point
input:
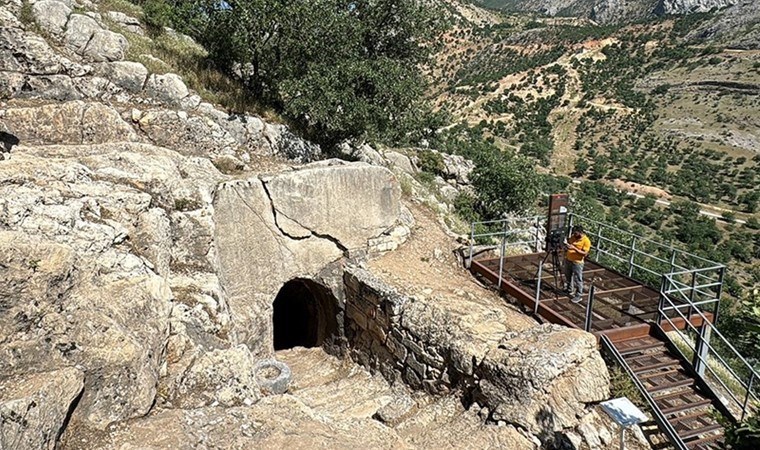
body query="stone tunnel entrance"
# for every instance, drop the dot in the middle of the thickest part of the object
(305, 315)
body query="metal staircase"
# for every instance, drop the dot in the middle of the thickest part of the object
(663, 336)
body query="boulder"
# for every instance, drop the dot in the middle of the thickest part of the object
(74, 122)
(11, 84)
(105, 45)
(129, 23)
(51, 15)
(190, 135)
(457, 168)
(543, 379)
(52, 87)
(401, 162)
(28, 53)
(256, 258)
(286, 144)
(218, 378)
(349, 203)
(79, 31)
(127, 75)
(34, 408)
(168, 88)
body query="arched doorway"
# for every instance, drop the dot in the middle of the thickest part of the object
(305, 315)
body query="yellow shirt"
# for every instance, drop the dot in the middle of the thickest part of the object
(583, 243)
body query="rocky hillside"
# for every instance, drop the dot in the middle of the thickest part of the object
(663, 108)
(151, 244)
(608, 11)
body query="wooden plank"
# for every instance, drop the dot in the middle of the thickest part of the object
(621, 289)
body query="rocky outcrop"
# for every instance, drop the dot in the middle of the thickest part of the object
(89, 68)
(35, 407)
(544, 394)
(615, 11)
(292, 225)
(733, 26)
(673, 7)
(141, 253)
(541, 379)
(221, 377)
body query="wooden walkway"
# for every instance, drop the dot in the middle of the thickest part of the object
(624, 310)
(623, 307)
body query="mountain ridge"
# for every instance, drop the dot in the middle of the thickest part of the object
(608, 11)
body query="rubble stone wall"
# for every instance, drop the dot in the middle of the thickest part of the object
(378, 339)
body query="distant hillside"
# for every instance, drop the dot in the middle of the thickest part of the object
(665, 107)
(607, 11)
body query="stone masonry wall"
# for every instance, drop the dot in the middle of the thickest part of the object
(379, 340)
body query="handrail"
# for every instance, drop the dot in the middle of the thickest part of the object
(659, 417)
(659, 244)
(742, 404)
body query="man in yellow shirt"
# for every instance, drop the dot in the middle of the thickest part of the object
(578, 247)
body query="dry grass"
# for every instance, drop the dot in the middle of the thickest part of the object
(176, 53)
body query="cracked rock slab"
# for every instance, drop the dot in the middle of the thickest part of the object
(34, 407)
(351, 203)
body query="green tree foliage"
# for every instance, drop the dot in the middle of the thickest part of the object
(338, 69)
(744, 436)
(505, 182)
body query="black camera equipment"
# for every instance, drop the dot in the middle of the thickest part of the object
(556, 231)
(554, 245)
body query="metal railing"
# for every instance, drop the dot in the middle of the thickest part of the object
(659, 417)
(730, 375)
(634, 256)
(690, 288)
(646, 260)
(520, 232)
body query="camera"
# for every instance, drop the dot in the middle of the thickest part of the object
(555, 239)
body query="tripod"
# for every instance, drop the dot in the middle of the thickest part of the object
(553, 251)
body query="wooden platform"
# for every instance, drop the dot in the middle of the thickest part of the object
(623, 307)
(625, 311)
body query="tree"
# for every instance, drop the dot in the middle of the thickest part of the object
(505, 182)
(338, 69)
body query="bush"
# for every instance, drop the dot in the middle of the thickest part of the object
(157, 14)
(745, 435)
(505, 182)
(622, 386)
(431, 162)
(336, 70)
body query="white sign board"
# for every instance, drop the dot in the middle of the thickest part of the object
(624, 412)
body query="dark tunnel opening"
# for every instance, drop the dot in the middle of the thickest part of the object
(304, 315)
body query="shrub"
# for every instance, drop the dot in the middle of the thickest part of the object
(157, 15)
(745, 435)
(430, 161)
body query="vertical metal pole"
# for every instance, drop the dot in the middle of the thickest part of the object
(673, 260)
(538, 240)
(622, 437)
(569, 224)
(747, 396)
(599, 243)
(472, 242)
(501, 255)
(538, 288)
(702, 349)
(661, 304)
(632, 258)
(589, 308)
(691, 294)
(721, 275)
